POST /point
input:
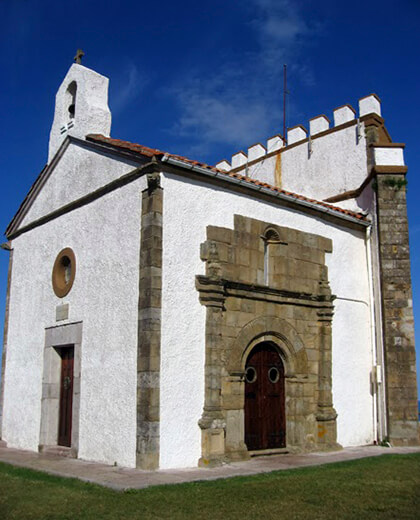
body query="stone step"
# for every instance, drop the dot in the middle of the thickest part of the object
(57, 451)
(273, 451)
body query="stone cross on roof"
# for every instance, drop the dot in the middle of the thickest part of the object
(79, 56)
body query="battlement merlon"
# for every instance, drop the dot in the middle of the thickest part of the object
(325, 162)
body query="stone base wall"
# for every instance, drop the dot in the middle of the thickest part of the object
(266, 283)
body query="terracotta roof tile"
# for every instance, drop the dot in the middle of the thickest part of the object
(153, 152)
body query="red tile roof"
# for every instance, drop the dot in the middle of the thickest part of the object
(153, 152)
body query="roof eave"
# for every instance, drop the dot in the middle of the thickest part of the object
(260, 188)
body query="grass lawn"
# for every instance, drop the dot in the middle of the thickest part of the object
(379, 487)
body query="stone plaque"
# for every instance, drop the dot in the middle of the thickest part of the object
(62, 312)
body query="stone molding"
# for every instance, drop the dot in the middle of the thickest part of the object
(213, 293)
(56, 337)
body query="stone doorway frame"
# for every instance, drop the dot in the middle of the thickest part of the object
(293, 309)
(56, 338)
(279, 333)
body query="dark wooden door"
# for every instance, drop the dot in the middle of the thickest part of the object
(66, 396)
(265, 419)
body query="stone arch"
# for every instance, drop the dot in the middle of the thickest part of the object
(273, 329)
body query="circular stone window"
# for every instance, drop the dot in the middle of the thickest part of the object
(250, 375)
(64, 272)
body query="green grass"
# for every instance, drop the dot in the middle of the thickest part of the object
(379, 487)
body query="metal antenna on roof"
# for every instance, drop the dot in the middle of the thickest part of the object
(285, 92)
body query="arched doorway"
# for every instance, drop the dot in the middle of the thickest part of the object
(265, 417)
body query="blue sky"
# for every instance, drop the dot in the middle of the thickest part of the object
(204, 79)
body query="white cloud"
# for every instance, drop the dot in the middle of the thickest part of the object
(129, 86)
(241, 103)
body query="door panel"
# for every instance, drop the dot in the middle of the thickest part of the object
(265, 420)
(66, 396)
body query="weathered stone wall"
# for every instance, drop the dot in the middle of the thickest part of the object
(398, 323)
(266, 283)
(149, 327)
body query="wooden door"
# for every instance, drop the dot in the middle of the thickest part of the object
(265, 418)
(66, 396)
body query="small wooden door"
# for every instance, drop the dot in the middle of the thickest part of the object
(265, 418)
(66, 396)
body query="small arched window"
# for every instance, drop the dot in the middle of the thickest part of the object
(71, 99)
(270, 237)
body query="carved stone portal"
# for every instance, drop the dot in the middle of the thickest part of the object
(266, 283)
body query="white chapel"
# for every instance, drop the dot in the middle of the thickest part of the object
(165, 313)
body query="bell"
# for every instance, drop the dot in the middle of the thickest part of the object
(72, 109)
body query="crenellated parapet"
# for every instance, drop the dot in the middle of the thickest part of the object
(342, 115)
(326, 158)
(255, 152)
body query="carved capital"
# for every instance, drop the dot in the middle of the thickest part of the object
(212, 420)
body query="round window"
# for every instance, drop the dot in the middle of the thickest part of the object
(64, 272)
(250, 375)
(273, 374)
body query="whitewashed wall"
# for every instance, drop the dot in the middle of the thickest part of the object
(189, 207)
(80, 171)
(338, 163)
(105, 236)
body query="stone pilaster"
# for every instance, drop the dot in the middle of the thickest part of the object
(398, 323)
(5, 332)
(212, 422)
(326, 415)
(149, 326)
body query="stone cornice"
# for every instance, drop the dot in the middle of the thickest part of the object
(214, 291)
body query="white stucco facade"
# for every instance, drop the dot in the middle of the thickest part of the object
(336, 163)
(188, 208)
(320, 168)
(106, 240)
(78, 172)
